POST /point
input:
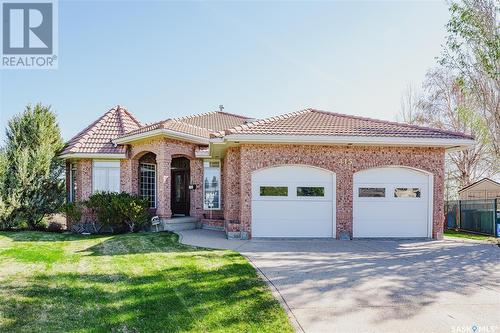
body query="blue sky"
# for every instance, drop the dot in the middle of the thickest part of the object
(167, 59)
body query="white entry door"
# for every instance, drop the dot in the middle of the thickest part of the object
(392, 202)
(293, 201)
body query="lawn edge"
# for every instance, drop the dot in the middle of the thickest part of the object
(468, 240)
(277, 295)
(272, 288)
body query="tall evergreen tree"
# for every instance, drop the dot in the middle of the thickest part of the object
(33, 185)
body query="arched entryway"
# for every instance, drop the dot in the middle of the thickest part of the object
(180, 178)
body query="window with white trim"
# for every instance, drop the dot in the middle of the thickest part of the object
(147, 182)
(72, 183)
(211, 185)
(106, 176)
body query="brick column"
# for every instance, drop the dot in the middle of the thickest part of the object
(344, 206)
(438, 205)
(84, 179)
(231, 177)
(196, 195)
(163, 162)
(126, 176)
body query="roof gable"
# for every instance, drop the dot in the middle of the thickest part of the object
(481, 182)
(171, 125)
(96, 138)
(202, 125)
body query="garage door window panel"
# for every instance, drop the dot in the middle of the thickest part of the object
(310, 191)
(371, 192)
(405, 192)
(273, 191)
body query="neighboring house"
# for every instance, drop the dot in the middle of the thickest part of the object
(309, 173)
(482, 189)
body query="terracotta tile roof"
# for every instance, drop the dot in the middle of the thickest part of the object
(173, 125)
(96, 138)
(317, 122)
(201, 125)
(215, 121)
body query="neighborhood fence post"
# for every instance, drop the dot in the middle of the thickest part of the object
(459, 222)
(496, 218)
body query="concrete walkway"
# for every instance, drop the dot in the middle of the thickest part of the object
(376, 285)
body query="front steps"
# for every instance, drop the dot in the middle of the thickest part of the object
(180, 223)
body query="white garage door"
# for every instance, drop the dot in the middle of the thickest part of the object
(293, 201)
(391, 202)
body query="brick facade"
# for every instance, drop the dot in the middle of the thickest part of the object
(164, 150)
(344, 161)
(239, 163)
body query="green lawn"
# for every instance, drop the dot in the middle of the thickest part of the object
(144, 282)
(463, 234)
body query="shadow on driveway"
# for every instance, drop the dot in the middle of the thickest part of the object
(382, 285)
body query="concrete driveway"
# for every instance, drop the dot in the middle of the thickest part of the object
(377, 285)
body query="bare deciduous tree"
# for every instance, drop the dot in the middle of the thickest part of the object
(444, 104)
(472, 51)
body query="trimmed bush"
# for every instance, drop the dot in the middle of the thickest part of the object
(119, 210)
(73, 212)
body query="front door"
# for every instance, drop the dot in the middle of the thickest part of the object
(179, 198)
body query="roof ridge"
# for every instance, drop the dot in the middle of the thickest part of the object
(391, 122)
(212, 112)
(233, 114)
(195, 115)
(120, 117)
(195, 126)
(144, 126)
(98, 123)
(130, 115)
(267, 120)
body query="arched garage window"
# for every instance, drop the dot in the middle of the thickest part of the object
(147, 178)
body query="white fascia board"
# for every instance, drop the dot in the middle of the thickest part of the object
(92, 156)
(357, 140)
(162, 131)
(204, 154)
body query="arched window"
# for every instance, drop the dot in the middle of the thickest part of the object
(147, 178)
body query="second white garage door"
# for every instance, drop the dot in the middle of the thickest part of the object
(391, 202)
(293, 201)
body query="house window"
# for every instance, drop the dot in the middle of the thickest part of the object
(211, 185)
(106, 176)
(311, 191)
(273, 191)
(147, 181)
(72, 183)
(403, 192)
(371, 192)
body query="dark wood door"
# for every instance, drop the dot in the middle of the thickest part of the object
(179, 198)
